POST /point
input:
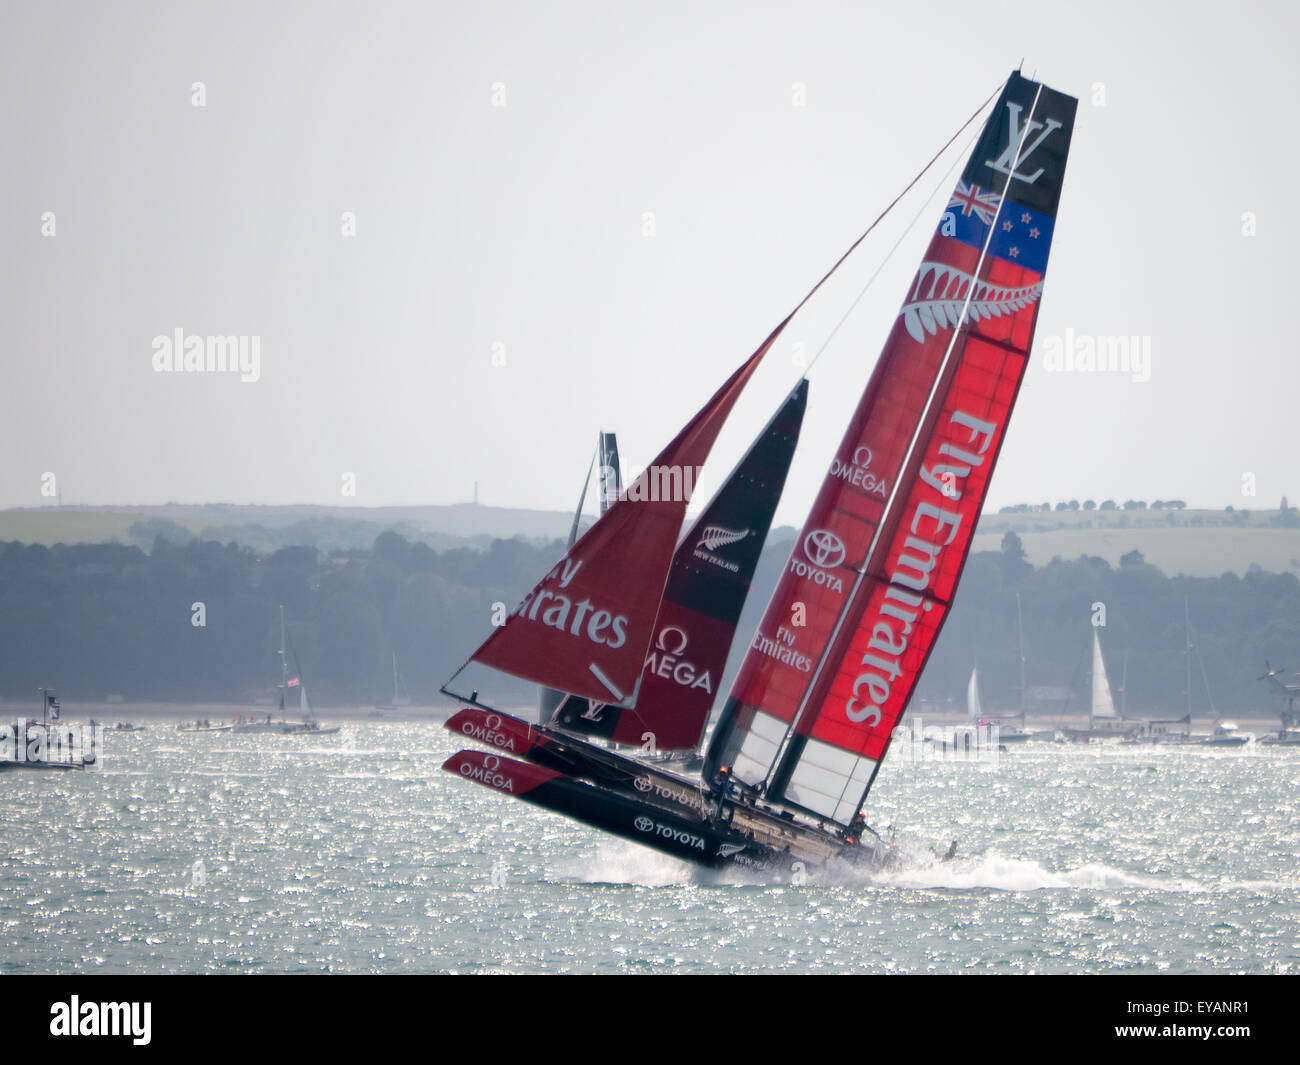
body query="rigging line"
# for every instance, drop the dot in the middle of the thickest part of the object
(1200, 661)
(577, 517)
(894, 202)
(924, 208)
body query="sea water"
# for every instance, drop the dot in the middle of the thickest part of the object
(355, 853)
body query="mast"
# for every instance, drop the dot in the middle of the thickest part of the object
(883, 548)
(1123, 688)
(1020, 642)
(284, 663)
(611, 471)
(1187, 653)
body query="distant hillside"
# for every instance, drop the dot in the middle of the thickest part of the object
(268, 528)
(1195, 542)
(1199, 543)
(200, 622)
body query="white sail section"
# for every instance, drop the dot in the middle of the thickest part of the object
(973, 698)
(1103, 706)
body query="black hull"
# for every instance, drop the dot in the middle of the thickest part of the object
(646, 804)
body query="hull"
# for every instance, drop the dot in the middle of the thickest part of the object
(9, 763)
(643, 802)
(308, 730)
(553, 749)
(1084, 735)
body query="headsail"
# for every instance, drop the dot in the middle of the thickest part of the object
(872, 574)
(1103, 705)
(587, 624)
(707, 585)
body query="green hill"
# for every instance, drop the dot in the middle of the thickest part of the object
(1199, 543)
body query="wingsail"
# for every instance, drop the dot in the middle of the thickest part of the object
(872, 574)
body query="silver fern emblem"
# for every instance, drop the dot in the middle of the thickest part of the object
(715, 536)
(940, 291)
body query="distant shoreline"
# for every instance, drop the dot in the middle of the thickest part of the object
(110, 713)
(1263, 720)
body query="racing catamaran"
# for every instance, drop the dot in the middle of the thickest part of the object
(864, 592)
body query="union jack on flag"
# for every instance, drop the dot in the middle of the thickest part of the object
(971, 199)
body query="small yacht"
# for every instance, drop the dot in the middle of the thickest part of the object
(1226, 734)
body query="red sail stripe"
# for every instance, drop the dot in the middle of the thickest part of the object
(902, 603)
(901, 616)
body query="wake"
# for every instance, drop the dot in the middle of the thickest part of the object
(619, 863)
(993, 871)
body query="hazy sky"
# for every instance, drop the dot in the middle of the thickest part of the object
(485, 230)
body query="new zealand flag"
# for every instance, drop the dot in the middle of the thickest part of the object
(1022, 235)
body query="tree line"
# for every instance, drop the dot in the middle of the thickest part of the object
(99, 619)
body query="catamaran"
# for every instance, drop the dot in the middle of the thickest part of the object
(627, 622)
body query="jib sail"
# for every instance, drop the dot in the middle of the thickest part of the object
(586, 626)
(707, 585)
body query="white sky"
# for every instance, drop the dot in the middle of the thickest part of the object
(522, 225)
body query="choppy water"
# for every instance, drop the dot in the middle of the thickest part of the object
(354, 853)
